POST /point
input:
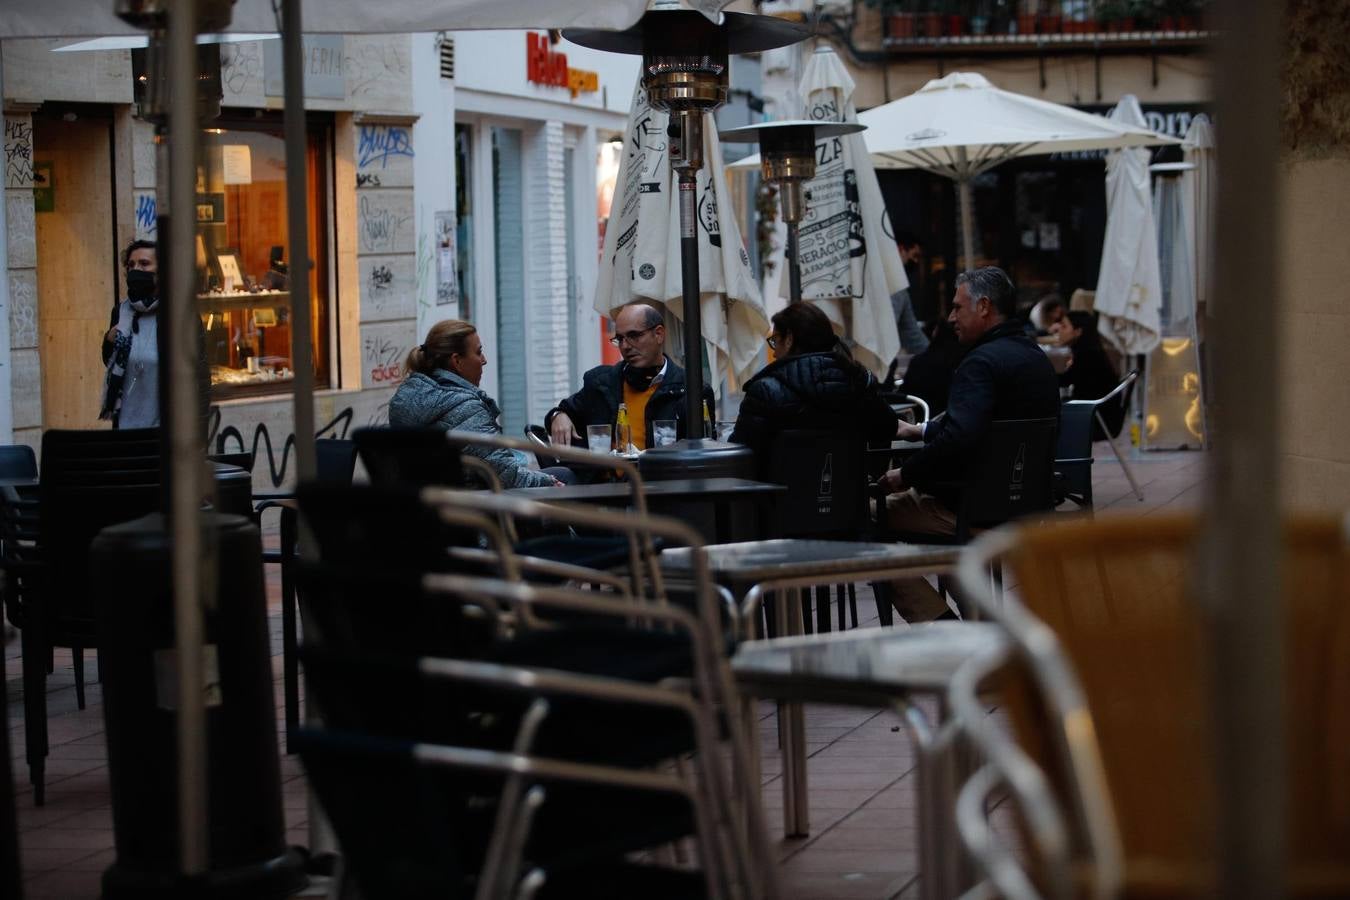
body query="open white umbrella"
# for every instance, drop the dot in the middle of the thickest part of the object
(961, 126)
(641, 258)
(96, 18)
(850, 265)
(1129, 284)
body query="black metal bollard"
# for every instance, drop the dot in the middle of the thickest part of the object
(248, 853)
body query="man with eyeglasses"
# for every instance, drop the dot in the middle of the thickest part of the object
(646, 381)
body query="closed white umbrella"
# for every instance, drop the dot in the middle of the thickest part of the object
(850, 264)
(961, 126)
(1129, 283)
(641, 258)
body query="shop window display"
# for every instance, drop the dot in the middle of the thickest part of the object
(243, 257)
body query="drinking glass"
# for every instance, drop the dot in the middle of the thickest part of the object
(663, 432)
(724, 430)
(599, 438)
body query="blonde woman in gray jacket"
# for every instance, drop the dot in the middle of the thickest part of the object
(440, 390)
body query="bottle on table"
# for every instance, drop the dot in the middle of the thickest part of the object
(707, 422)
(623, 433)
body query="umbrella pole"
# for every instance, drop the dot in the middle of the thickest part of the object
(967, 219)
(794, 269)
(693, 313)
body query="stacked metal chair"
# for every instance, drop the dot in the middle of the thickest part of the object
(540, 739)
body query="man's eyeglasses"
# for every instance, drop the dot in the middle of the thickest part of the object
(630, 336)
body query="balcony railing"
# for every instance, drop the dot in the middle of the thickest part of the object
(1071, 22)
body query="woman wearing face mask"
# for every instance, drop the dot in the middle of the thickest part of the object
(131, 348)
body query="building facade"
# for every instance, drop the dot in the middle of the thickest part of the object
(450, 175)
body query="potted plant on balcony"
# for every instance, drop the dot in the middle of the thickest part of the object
(979, 17)
(1026, 17)
(1116, 15)
(1050, 19)
(897, 18)
(954, 17)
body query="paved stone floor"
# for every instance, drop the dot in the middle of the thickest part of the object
(863, 842)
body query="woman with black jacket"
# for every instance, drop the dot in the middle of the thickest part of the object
(813, 383)
(1090, 373)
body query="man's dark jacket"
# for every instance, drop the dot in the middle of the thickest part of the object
(1003, 376)
(597, 403)
(811, 391)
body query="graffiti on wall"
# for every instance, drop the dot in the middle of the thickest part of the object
(18, 153)
(231, 440)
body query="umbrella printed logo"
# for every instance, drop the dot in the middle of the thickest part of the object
(647, 271)
(707, 215)
(927, 134)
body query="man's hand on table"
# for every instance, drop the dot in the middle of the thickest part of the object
(891, 482)
(908, 431)
(561, 430)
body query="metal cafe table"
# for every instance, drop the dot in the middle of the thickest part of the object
(721, 509)
(784, 567)
(883, 667)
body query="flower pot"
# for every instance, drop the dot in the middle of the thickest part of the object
(956, 25)
(979, 24)
(1026, 23)
(1120, 25)
(1050, 24)
(1167, 23)
(901, 26)
(1188, 23)
(932, 25)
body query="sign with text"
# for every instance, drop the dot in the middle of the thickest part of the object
(324, 56)
(545, 66)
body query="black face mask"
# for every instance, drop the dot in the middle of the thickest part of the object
(140, 284)
(640, 378)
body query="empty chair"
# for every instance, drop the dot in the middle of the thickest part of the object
(1078, 420)
(17, 462)
(415, 457)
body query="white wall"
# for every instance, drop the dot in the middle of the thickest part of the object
(495, 62)
(433, 97)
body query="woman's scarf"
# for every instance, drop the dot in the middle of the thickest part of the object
(114, 381)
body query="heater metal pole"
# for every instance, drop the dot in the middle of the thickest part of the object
(185, 439)
(793, 264)
(693, 313)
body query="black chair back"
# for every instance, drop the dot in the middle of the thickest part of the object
(417, 457)
(825, 474)
(387, 525)
(334, 460)
(243, 459)
(1014, 476)
(65, 450)
(1073, 453)
(17, 461)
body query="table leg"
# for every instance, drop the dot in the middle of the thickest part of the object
(792, 732)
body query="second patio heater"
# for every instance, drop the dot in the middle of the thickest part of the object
(787, 158)
(684, 71)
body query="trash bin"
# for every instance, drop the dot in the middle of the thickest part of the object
(247, 852)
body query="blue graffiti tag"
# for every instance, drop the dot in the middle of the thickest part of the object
(379, 142)
(146, 214)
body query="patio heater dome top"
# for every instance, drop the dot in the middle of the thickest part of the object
(788, 153)
(684, 55)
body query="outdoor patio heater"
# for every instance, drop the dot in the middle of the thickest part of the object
(684, 71)
(787, 158)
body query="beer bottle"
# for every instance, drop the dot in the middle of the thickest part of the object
(623, 434)
(707, 422)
